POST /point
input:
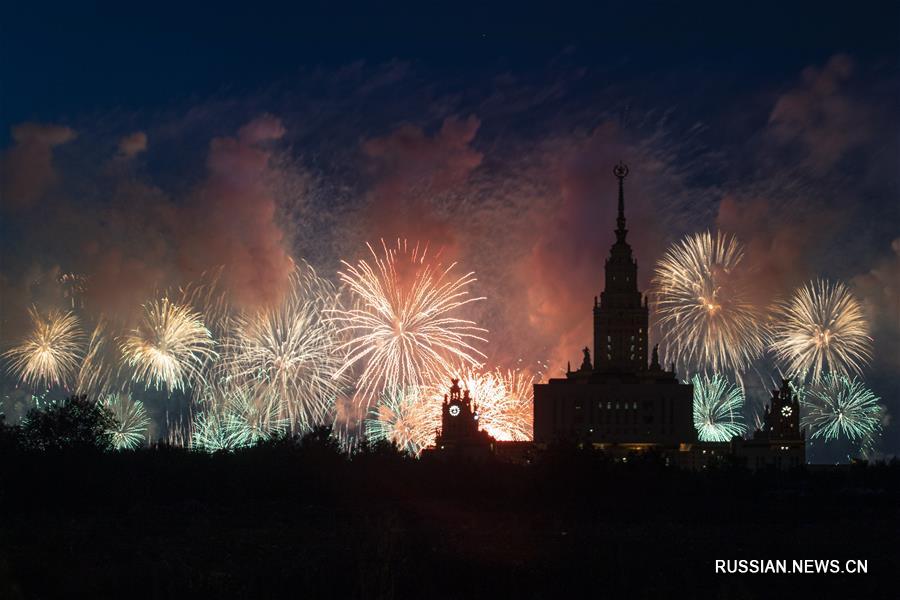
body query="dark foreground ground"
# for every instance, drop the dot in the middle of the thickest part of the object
(286, 522)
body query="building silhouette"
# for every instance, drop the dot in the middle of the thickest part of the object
(618, 401)
(460, 435)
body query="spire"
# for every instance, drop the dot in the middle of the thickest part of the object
(621, 171)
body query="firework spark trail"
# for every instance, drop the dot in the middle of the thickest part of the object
(406, 419)
(820, 329)
(99, 374)
(169, 348)
(251, 419)
(92, 373)
(131, 421)
(505, 401)
(838, 407)
(512, 417)
(176, 433)
(403, 328)
(207, 297)
(348, 424)
(707, 321)
(240, 414)
(718, 408)
(208, 432)
(290, 351)
(51, 352)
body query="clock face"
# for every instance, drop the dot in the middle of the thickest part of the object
(786, 411)
(454, 411)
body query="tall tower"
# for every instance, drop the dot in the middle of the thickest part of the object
(618, 401)
(621, 316)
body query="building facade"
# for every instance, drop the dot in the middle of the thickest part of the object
(618, 400)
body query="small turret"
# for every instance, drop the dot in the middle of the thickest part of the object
(586, 363)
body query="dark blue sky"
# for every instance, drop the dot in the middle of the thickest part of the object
(67, 59)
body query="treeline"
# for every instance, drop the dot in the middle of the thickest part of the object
(300, 517)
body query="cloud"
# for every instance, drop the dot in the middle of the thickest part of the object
(132, 144)
(879, 290)
(819, 117)
(230, 219)
(780, 250)
(26, 169)
(411, 170)
(125, 248)
(133, 240)
(261, 129)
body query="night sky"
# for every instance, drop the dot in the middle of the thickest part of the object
(143, 145)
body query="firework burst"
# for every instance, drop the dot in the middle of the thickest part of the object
(839, 407)
(708, 322)
(51, 352)
(169, 347)
(73, 286)
(290, 351)
(403, 327)
(251, 419)
(820, 329)
(208, 432)
(131, 422)
(406, 419)
(717, 409)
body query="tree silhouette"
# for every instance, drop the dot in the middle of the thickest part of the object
(320, 440)
(75, 424)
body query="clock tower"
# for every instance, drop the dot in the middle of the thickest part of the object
(781, 419)
(779, 443)
(459, 434)
(459, 416)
